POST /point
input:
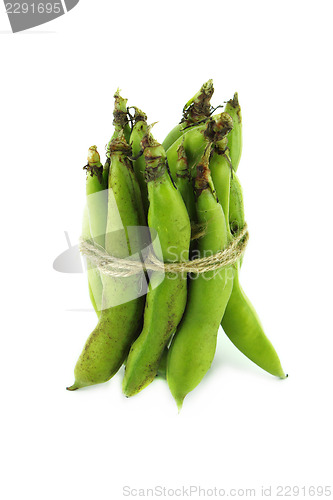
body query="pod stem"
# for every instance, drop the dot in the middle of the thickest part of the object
(94, 166)
(180, 402)
(234, 103)
(203, 179)
(198, 107)
(221, 148)
(120, 118)
(155, 157)
(139, 115)
(73, 387)
(217, 129)
(119, 144)
(182, 170)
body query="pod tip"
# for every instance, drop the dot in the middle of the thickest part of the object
(234, 102)
(125, 388)
(148, 141)
(73, 387)
(119, 144)
(179, 401)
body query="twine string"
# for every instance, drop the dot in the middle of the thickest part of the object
(116, 267)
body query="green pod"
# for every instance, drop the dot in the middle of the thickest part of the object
(183, 181)
(193, 346)
(120, 320)
(120, 120)
(105, 174)
(138, 132)
(243, 327)
(96, 195)
(221, 174)
(236, 206)
(94, 220)
(161, 372)
(240, 321)
(235, 138)
(195, 111)
(94, 279)
(166, 298)
(236, 209)
(179, 130)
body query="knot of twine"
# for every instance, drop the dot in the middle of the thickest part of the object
(116, 267)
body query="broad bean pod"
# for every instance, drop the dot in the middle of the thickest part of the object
(120, 320)
(166, 300)
(95, 285)
(94, 220)
(235, 138)
(138, 132)
(193, 346)
(120, 120)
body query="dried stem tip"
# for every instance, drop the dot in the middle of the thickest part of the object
(119, 144)
(120, 118)
(155, 157)
(182, 169)
(94, 166)
(94, 159)
(234, 103)
(148, 139)
(217, 129)
(203, 178)
(139, 116)
(198, 108)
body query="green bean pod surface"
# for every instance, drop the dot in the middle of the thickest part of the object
(235, 138)
(193, 346)
(94, 219)
(95, 285)
(161, 372)
(138, 132)
(183, 181)
(236, 206)
(166, 300)
(96, 195)
(221, 172)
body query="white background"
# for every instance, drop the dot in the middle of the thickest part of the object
(240, 428)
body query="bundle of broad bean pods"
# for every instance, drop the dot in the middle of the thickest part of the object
(164, 234)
